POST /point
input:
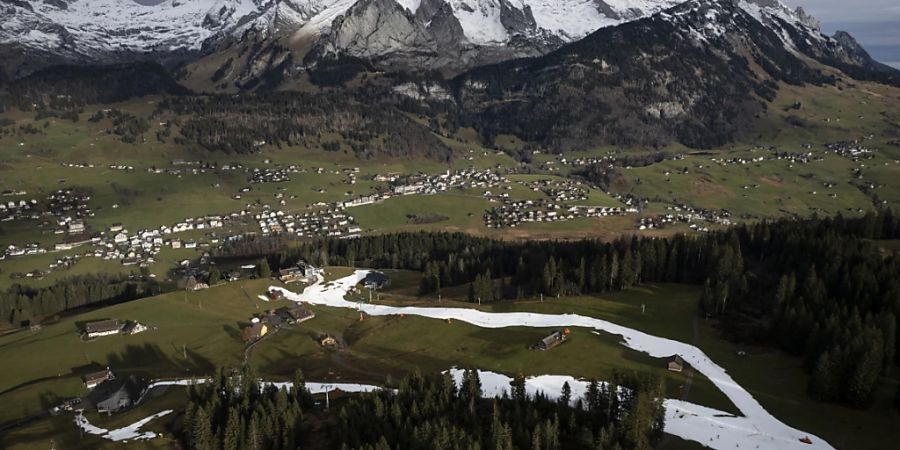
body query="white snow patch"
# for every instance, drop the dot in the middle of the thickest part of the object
(130, 433)
(480, 20)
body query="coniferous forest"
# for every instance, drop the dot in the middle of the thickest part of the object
(423, 412)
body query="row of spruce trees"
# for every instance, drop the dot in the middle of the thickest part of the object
(235, 412)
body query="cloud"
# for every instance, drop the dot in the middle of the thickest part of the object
(851, 11)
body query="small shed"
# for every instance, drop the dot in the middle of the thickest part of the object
(327, 340)
(675, 364)
(255, 332)
(554, 339)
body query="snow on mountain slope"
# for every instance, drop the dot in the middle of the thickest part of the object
(89, 25)
(576, 19)
(35, 33)
(428, 34)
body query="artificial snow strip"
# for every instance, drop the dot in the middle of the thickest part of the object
(756, 427)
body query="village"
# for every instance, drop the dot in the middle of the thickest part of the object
(66, 212)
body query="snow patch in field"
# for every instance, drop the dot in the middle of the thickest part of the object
(130, 433)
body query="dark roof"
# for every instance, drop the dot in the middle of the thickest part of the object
(554, 337)
(101, 375)
(294, 312)
(376, 278)
(108, 394)
(102, 326)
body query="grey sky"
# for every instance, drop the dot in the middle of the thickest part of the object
(874, 23)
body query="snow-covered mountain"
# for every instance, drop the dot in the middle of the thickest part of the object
(448, 35)
(35, 33)
(699, 73)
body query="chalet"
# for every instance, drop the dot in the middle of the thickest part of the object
(275, 294)
(94, 379)
(303, 272)
(327, 340)
(675, 364)
(192, 284)
(132, 327)
(76, 226)
(117, 395)
(376, 280)
(102, 328)
(295, 314)
(290, 275)
(554, 339)
(255, 332)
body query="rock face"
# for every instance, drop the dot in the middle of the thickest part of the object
(636, 84)
(858, 55)
(37, 33)
(452, 34)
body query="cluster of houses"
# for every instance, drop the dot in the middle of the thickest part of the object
(512, 213)
(21, 209)
(107, 393)
(696, 217)
(425, 184)
(789, 157)
(558, 190)
(853, 150)
(281, 175)
(27, 249)
(110, 327)
(332, 222)
(274, 319)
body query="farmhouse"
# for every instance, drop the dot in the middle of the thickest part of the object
(117, 395)
(303, 271)
(675, 364)
(290, 275)
(327, 340)
(92, 380)
(555, 338)
(294, 314)
(102, 328)
(376, 280)
(132, 327)
(255, 332)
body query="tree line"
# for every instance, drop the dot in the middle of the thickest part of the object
(20, 304)
(425, 412)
